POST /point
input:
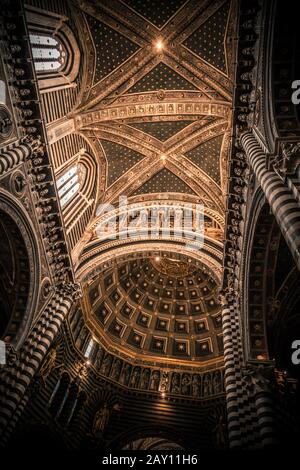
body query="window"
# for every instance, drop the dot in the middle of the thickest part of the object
(70, 182)
(89, 348)
(48, 53)
(54, 48)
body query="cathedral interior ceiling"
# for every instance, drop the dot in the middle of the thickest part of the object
(157, 307)
(157, 102)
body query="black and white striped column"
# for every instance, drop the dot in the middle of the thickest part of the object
(13, 155)
(258, 380)
(232, 360)
(265, 416)
(234, 434)
(244, 430)
(282, 202)
(16, 379)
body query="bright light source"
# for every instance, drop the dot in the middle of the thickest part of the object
(159, 45)
(163, 394)
(157, 258)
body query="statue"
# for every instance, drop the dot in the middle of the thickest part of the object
(195, 386)
(259, 378)
(145, 379)
(106, 364)
(217, 383)
(101, 419)
(206, 386)
(154, 382)
(135, 377)
(175, 385)
(5, 124)
(48, 365)
(19, 183)
(185, 384)
(164, 383)
(99, 358)
(289, 158)
(125, 374)
(116, 369)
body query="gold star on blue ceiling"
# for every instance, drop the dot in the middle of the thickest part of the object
(119, 159)
(164, 181)
(207, 157)
(208, 40)
(161, 77)
(112, 48)
(161, 130)
(158, 12)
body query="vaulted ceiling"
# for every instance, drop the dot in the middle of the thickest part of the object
(157, 104)
(158, 93)
(158, 307)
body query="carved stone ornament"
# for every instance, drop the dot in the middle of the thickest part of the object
(289, 157)
(259, 378)
(6, 125)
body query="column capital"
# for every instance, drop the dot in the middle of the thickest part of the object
(69, 289)
(288, 158)
(259, 377)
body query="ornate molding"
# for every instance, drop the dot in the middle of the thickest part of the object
(174, 104)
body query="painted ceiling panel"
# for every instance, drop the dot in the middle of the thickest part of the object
(112, 48)
(156, 12)
(164, 181)
(208, 40)
(162, 130)
(161, 77)
(207, 157)
(119, 159)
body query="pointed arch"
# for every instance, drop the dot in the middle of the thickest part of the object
(55, 51)
(77, 190)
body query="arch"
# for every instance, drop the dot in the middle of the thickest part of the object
(59, 395)
(270, 294)
(79, 403)
(84, 172)
(48, 53)
(143, 432)
(52, 38)
(77, 189)
(69, 405)
(6, 124)
(25, 264)
(93, 261)
(152, 225)
(69, 184)
(280, 50)
(258, 202)
(153, 443)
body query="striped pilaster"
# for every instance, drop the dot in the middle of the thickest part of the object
(232, 361)
(282, 202)
(238, 411)
(17, 378)
(265, 415)
(243, 426)
(13, 155)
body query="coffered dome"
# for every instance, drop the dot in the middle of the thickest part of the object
(157, 307)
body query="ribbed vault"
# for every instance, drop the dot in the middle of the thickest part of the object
(158, 105)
